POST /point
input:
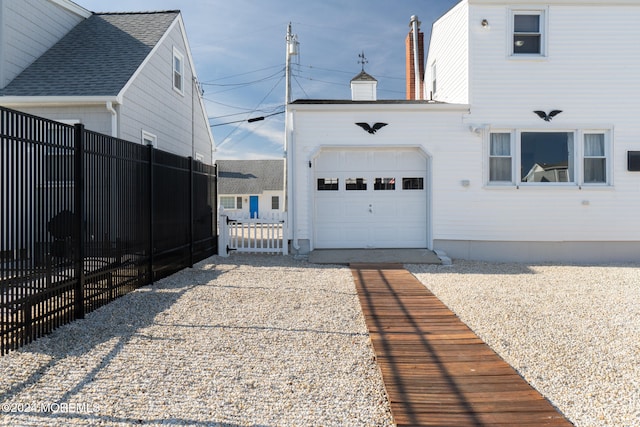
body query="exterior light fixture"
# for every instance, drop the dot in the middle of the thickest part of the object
(485, 23)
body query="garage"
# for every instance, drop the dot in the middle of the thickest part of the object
(370, 198)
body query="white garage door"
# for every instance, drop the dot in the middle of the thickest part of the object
(370, 199)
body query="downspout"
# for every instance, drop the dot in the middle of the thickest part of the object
(416, 58)
(291, 184)
(114, 119)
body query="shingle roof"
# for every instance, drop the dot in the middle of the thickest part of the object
(364, 76)
(96, 58)
(250, 176)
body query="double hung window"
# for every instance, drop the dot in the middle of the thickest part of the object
(178, 71)
(528, 33)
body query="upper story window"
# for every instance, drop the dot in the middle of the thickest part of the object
(178, 71)
(578, 157)
(528, 33)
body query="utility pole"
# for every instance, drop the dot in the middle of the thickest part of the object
(292, 50)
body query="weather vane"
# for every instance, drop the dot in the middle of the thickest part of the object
(362, 60)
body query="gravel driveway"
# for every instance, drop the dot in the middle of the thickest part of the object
(246, 340)
(268, 340)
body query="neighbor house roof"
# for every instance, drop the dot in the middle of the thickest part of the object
(250, 176)
(96, 58)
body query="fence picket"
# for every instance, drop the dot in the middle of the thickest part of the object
(255, 235)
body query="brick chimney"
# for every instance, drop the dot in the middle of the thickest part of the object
(414, 63)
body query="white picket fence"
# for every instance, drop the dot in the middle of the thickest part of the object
(258, 235)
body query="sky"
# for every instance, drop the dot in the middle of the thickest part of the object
(239, 51)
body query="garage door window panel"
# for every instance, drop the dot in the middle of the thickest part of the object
(413, 183)
(384, 184)
(356, 184)
(328, 184)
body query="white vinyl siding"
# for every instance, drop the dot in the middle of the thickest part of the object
(449, 52)
(172, 120)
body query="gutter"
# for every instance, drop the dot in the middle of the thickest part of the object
(114, 119)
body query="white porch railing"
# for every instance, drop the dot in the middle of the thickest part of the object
(258, 235)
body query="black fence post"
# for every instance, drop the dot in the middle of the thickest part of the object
(191, 210)
(79, 208)
(151, 211)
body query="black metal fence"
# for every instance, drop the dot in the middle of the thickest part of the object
(87, 218)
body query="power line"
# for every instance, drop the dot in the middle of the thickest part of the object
(251, 120)
(245, 83)
(244, 74)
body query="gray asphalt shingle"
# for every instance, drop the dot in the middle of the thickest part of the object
(250, 176)
(96, 58)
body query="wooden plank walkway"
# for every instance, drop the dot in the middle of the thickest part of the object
(436, 371)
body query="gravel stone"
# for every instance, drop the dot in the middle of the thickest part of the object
(573, 332)
(241, 341)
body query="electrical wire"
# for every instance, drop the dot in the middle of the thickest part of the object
(248, 120)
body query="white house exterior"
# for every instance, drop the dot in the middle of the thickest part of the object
(251, 188)
(501, 182)
(128, 75)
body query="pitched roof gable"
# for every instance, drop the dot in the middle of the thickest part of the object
(250, 176)
(96, 58)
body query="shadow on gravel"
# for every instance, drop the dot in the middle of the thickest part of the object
(106, 332)
(111, 326)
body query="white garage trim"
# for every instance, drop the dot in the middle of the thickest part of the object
(371, 197)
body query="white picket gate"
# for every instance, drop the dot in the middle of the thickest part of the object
(258, 235)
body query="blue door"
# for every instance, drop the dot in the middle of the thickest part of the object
(253, 206)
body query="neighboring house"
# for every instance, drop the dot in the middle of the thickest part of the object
(128, 75)
(252, 188)
(518, 149)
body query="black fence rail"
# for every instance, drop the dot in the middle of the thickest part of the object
(87, 218)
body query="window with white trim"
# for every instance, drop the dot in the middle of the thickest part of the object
(275, 203)
(178, 71)
(595, 158)
(149, 139)
(528, 36)
(548, 158)
(500, 159)
(59, 161)
(231, 202)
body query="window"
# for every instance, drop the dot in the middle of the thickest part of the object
(178, 71)
(595, 160)
(384, 184)
(149, 139)
(327, 184)
(548, 157)
(413, 183)
(528, 33)
(228, 202)
(231, 202)
(500, 158)
(59, 166)
(359, 184)
(275, 203)
(59, 161)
